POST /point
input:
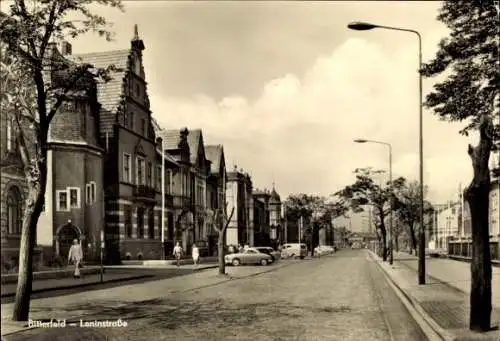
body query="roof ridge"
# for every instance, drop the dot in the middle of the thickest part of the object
(100, 52)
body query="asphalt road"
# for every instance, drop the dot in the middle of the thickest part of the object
(342, 297)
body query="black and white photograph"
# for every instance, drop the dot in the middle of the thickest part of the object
(250, 170)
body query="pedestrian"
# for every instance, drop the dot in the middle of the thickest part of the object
(231, 249)
(195, 253)
(75, 256)
(178, 253)
(240, 249)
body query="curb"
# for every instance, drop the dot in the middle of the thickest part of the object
(427, 324)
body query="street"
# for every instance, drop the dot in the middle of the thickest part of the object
(340, 297)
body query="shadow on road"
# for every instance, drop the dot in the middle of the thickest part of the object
(172, 313)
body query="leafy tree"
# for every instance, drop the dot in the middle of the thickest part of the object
(40, 83)
(470, 92)
(365, 191)
(317, 213)
(406, 203)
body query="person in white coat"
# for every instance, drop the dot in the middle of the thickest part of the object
(75, 256)
(195, 253)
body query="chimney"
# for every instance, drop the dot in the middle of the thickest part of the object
(66, 48)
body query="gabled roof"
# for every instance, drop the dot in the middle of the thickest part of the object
(194, 139)
(214, 153)
(170, 138)
(110, 93)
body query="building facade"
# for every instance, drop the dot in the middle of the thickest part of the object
(262, 233)
(239, 196)
(73, 207)
(216, 192)
(131, 162)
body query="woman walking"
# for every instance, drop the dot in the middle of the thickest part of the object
(75, 256)
(195, 253)
(178, 253)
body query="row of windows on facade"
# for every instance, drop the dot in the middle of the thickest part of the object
(141, 214)
(69, 198)
(144, 176)
(129, 122)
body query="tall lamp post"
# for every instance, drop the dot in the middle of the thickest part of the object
(391, 258)
(362, 26)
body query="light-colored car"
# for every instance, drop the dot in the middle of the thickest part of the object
(248, 256)
(294, 250)
(323, 250)
(269, 251)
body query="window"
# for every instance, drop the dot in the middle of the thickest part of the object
(151, 224)
(140, 222)
(14, 211)
(137, 90)
(125, 119)
(144, 126)
(170, 226)
(11, 136)
(150, 174)
(90, 193)
(140, 170)
(127, 168)
(128, 221)
(74, 197)
(62, 200)
(159, 221)
(168, 182)
(158, 177)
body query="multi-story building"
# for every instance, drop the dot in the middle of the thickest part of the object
(73, 205)
(262, 216)
(239, 197)
(132, 156)
(181, 219)
(216, 191)
(275, 219)
(495, 209)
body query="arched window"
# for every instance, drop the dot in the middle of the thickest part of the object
(14, 211)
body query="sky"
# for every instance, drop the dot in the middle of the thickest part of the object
(286, 87)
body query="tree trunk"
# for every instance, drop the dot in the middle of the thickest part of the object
(413, 239)
(396, 242)
(37, 181)
(480, 296)
(221, 252)
(384, 245)
(477, 196)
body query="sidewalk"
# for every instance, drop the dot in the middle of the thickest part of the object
(441, 307)
(9, 290)
(117, 273)
(97, 304)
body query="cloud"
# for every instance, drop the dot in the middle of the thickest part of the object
(299, 131)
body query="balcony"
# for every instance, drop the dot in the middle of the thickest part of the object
(143, 191)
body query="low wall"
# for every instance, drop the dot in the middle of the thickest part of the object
(464, 249)
(184, 261)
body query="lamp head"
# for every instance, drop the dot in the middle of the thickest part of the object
(360, 141)
(361, 26)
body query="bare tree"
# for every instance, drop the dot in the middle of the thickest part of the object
(221, 222)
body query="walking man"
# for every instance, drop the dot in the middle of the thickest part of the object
(178, 253)
(195, 253)
(75, 256)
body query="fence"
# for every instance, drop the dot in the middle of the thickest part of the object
(464, 249)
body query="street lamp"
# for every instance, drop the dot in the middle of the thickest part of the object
(363, 26)
(391, 258)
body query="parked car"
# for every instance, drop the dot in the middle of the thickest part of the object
(324, 250)
(248, 256)
(269, 251)
(294, 250)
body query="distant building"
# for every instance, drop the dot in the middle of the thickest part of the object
(269, 224)
(239, 197)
